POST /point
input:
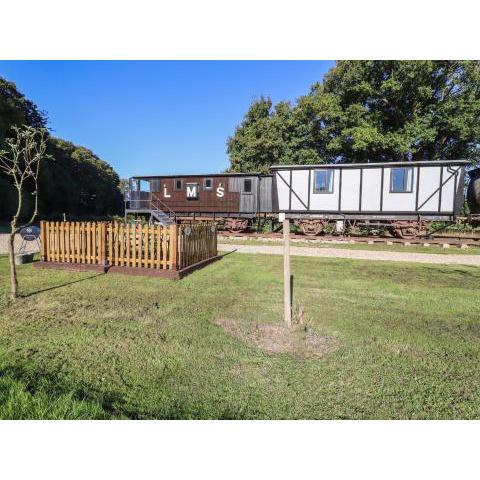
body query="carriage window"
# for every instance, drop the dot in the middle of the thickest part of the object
(178, 184)
(247, 185)
(207, 184)
(323, 181)
(401, 180)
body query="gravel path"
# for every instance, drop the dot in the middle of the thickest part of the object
(30, 247)
(473, 260)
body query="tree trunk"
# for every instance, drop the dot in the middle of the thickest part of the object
(13, 268)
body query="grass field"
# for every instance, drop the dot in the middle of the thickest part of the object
(87, 345)
(362, 246)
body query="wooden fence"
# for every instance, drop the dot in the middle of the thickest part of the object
(196, 243)
(122, 247)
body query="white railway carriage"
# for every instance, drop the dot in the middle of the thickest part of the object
(403, 195)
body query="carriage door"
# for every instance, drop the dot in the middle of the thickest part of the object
(248, 199)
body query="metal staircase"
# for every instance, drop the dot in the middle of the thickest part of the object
(161, 212)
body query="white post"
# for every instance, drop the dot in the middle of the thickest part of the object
(287, 291)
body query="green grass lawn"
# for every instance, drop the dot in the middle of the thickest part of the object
(362, 246)
(88, 345)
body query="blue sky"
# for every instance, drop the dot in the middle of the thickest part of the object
(156, 117)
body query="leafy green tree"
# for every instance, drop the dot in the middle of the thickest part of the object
(405, 110)
(73, 180)
(80, 183)
(16, 110)
(368, 111)
(252, 148)
(270, 135)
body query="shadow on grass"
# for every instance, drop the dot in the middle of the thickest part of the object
(112, 404)
(228, 253)
(54, 287)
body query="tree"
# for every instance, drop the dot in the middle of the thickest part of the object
(80, 183)
(404, 110)
(72, 179)
(21, 162)
(367, 111)
(15, 109)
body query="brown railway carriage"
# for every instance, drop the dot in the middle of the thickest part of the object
(232, 198)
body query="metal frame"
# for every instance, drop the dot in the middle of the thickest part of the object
(424, 163)
(375, 215)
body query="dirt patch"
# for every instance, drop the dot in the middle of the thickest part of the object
(276, 339)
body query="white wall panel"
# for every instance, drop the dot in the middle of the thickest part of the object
(428, 191)
(448, 190)
(325, 201)
(371, 186)
(300, 187)
(398, 202)
(350, 190)
(282, 189)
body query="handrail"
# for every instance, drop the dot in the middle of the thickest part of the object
(163, 205)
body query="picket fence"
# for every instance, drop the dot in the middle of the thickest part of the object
(155, 247)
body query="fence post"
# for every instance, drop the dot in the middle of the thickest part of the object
(173, 246)
(43, 241)
(103, 244)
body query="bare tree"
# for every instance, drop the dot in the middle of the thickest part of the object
(21, 162)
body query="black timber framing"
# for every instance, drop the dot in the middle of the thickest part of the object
(417, 189)
(440, 190)
(290, 192)
(340, 190)
(309, 187)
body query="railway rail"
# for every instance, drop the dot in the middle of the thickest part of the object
(443, 241)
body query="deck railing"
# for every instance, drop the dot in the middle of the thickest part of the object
(154, 247)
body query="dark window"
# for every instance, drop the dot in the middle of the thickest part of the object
(207, 184)
(154, 185)
(323, 181)
(178, 184)
(247, 185)
(401, 180)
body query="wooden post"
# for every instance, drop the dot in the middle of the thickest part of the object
(287, 292)
(173, 246)
(103, 244)
(43, 241)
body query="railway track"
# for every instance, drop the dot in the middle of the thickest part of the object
(443, 241)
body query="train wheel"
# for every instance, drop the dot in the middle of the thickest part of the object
(408, 229)
(310, 226)
(236, 225)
